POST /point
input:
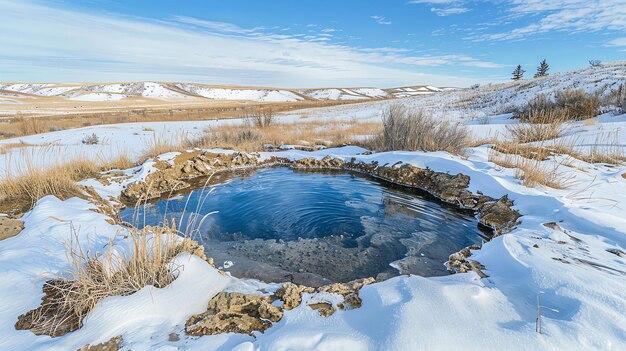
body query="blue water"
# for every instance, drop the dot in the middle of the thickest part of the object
(350, 215)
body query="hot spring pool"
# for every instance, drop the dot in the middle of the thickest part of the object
(313, 228)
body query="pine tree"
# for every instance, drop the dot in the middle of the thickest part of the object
(518, 73)
(543, 68)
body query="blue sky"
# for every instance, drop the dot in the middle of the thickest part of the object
(304, 43)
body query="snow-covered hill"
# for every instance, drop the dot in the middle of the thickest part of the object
(178, 91)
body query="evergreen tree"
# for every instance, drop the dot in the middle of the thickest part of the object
(543, 68)
(518, 73)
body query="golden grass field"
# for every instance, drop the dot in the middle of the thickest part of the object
(25, 114)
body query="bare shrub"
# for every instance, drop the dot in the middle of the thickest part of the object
(528, 133)
(618, 98)
(577, 103)
(409, 129)
(92, 139)
(93, 277)
(567, 105)
(260, 119)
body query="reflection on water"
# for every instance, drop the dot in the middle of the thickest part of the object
(318, 226)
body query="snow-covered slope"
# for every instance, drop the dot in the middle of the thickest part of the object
(344, 93)
(413, 91)
(493, 99)
(261, 95)
(176, 91)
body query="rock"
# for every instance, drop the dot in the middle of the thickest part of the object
(499, 215)
(200, 167)
(10, 227)
(323, 308)
(459, 262)
(113, 344)
(291, 295)
(44, 320)
(188, 165)
(231, 312)
(173, 337)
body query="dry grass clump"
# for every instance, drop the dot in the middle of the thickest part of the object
(410, 129)
(116, 272)
(567, 105)
(21, 189)
(162, 143)
(606, 148)
(121, 161)
(532, 172)
(532, 152)
(29, 181)
(5, 148)
(529, 132)
(308, 134)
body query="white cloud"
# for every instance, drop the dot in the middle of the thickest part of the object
(381, 20)
(42, 43)
(449, 11)
(617, 42)
(563, 15)
(432, 2)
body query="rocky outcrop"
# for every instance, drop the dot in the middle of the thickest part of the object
(494, 213)
(499, 215)
(231, 312)
(459, 262)
(10, 227)
(291, 294)
(325, 309)
(113, 344)
(171, 177)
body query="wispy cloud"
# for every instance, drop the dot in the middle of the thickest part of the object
(449, 11)
(381, 20)
(432, 1)
(570, 16)
(42, 43)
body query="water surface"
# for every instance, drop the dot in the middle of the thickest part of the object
(311, 227)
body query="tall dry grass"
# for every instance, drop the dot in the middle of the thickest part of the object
(162, 143)
(119, 271)
(412, 129)
(28, 179)
(531, 171)
(533, 132)
(27, 182)
(306, 134)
